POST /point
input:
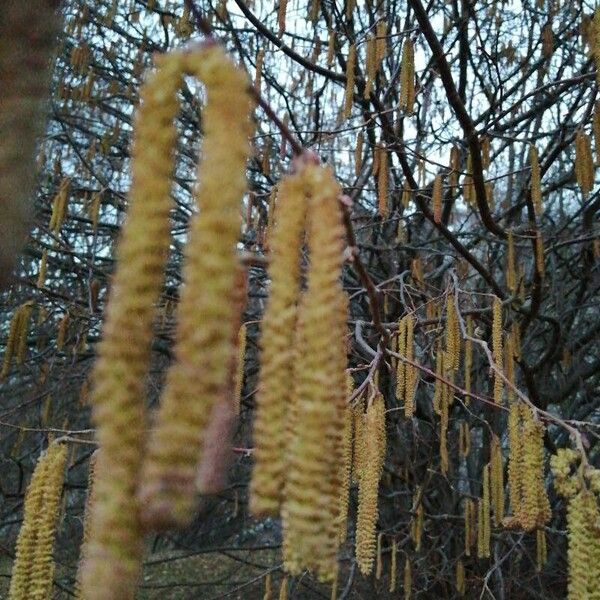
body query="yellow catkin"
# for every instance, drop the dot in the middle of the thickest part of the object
(281, 14)
(460, 577)
(33, 569)
(406, 194)
(86, 524)
(468, 187)
(41, 278)
(401, 365)
(452, 334)
(407, 579)
(594, 30)
(511, 277)
(330, 47)
(515, 458)
(536, 185)
(407, 77)
(268, 590)
(350, 72)
(260, 58)
(497, 352)
(483, 517)
(366, 522)
(310, 508)
(416, 531)
(393, 567)
(22, 341)
(539, 253)
(371, 66)
(12, 342)
(596, 129)
(382, 182)
(277, 344)
(497, 480)
(283, 589)
(584, 546)
(358, 153)
(584, 162)
(438, 390)
(378, 562)
(203, 347)
(485, 152)
(239, 372)
(381, 43)
(358, 441)
(541, 550)
(535, 506)
(411, 374)
(61, 334)
(345, 469)
(114, 550)
(436, 199)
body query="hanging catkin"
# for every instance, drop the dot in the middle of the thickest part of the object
(400, 364)
(239, 367)
(497, 480)
(596, 129)
(368, 487)
(515, 459)
(310, 508)
(536, 186)
(371, 66)
(382, 182)
(198, 378)
(393, 567)
(535, 506)
(407, 77)
(281, 14)
(511, 277)
(452, 334)
(483, 517)
(350, 70)
(407, 579)
(345, 469)
(86, 524)
(278, 326)
(468, 356)
(33, 569)
(115, 544)
(460, 577)
(497, 352)
(436, 199)
(584, 162)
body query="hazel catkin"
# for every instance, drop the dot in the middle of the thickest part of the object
(198, 378)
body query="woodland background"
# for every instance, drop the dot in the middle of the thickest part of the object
(508, 73)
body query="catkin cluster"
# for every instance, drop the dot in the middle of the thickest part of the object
(203, 346)
(528, 496)
(274, 393)
(310, 510)
(368, 485)
(580, 486)
(204, 343)
(497, 352)
(33, 569)
(16, 344)
(406, 373)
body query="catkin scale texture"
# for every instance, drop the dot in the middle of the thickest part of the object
(277, 342)
(115, 545)
(368, 487)
(203, 346)
(33, 570)
(312, 487)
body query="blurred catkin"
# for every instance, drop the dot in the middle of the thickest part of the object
(407, 77)
(198, 378)
(115, 546)
(311, 508)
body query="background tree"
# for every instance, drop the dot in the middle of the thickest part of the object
(466, 136)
